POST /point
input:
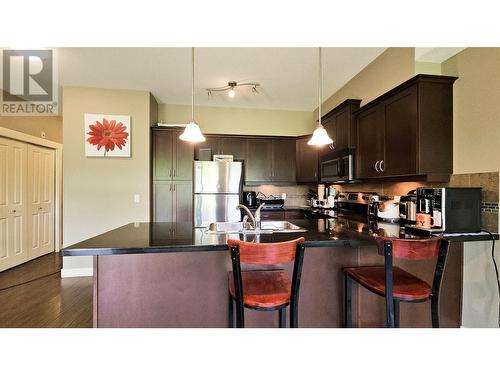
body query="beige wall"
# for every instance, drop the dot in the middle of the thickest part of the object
(476, 112)
(391, 68)
(99, 192)
(226, 120)
(35, 125)
(476, 142)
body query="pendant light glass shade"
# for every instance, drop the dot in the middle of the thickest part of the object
(320, 136)
(192, 132)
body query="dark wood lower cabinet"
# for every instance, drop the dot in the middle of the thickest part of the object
(190, 290)
(172, 201)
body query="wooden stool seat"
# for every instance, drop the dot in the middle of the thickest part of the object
(263, 289)
(406, 286)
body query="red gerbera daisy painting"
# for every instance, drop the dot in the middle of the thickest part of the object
(107, 135)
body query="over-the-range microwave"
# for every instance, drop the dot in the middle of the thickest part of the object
(337, 166)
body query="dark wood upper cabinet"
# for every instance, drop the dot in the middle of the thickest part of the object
(182, 159)
(283, 160)
(370, 142)
(211, 142)
(408, 131)
(162, 155)
(259, 166)
(172, 158)
(235, 146)
(340, 124)
(306, 161)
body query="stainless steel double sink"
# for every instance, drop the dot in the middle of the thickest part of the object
(265, 227)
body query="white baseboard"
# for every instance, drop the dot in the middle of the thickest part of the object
(76, 272)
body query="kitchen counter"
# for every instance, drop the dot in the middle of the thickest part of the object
(139, 238)
(174, 275)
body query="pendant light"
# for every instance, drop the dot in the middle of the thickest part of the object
(192, 132)
(320, 136)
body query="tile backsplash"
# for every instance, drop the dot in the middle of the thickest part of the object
(295, 195)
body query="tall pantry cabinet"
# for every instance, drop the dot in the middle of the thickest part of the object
(27, 190)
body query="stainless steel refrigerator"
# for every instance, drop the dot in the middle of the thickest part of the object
(217, 190)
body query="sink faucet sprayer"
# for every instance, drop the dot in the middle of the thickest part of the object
(255, 219)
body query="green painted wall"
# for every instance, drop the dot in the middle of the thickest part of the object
(226, 120)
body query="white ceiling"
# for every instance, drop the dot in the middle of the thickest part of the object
(289, 76)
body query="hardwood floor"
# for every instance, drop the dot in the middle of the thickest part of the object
(34, 295)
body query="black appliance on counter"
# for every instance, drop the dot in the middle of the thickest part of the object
(271, 203)
(337, 166)
(250, 199)
(453, 209)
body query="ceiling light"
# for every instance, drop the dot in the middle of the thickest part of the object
(231, 88)
(192, 132)
(320, 136)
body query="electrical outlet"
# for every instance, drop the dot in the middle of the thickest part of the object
(137, 198)
(283, 195)
(43, 135)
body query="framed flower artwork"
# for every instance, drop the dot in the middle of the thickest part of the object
(107, 135)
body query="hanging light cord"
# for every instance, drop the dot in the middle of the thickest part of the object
(320, 84)
(192, 84)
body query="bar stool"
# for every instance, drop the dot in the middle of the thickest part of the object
(395, 284)
(264, 290)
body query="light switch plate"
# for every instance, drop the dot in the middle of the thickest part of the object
(137, 198)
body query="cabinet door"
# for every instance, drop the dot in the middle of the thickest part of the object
(401, 134)
(213, 143)
(182, 200)
(283, 156)
(162, 201)
(370, 145)
(182, 159)
(331, 129)
(40, 201)
(306, 161)
(272, 215)
(13, 205)
(162, 155)
(235, 147)
(342, 128)
(259, 160)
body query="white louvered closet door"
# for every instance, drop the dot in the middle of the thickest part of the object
(13, 207)
(40, 201)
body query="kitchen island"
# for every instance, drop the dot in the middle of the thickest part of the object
(174, 275)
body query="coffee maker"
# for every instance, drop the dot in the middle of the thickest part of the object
(452, 209)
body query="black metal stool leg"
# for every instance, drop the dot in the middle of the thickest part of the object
(230, 312)
(396, 313)
(347, 301)
(282, 313)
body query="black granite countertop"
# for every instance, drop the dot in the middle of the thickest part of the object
(137, 238)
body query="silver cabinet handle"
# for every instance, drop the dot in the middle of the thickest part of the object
(14, 211)
(40, 208)
(376, 165)
(170, 187)
(169, 173)
(381, 169)
(174, 172)
(174, 187)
